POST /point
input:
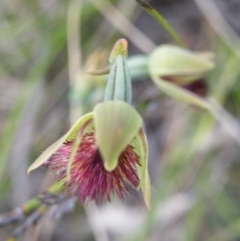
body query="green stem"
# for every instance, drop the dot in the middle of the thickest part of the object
(34, 203)
(160, 19)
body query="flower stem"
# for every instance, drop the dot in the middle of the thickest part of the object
(160, 19)
(19, 214)
(34, 203)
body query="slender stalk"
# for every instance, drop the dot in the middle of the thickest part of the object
(160, 19)
(34, 203)
(30, 220)
(19, 214)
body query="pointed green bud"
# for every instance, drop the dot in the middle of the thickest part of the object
(177, 64)
(120, 48)
(119, 85)
(116, 124)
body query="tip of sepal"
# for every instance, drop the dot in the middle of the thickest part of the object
(147, 193)
(46, 154)
(141, 146)
(110, 165)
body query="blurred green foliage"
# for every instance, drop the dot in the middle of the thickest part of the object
(195, 164)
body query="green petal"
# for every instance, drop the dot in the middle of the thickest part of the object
(116, 124)
(181, 94)
(170, 60)
(71, 134)
(140, 143)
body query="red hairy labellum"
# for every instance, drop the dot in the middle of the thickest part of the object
(89, 179)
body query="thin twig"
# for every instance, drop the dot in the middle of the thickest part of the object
(13, 216)
(19, 214)
(30, 220)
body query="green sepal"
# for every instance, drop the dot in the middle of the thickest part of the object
(181, 94)
(173, 61)
(70, 135)
(140, 143)
(76, 143)
(116, 124)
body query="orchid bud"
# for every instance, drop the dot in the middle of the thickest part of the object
(180, 74)
(178, 65)
(119, 83)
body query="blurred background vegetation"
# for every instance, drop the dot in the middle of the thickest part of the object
(45, 48)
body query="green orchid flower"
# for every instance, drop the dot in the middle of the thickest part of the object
(105, 151)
